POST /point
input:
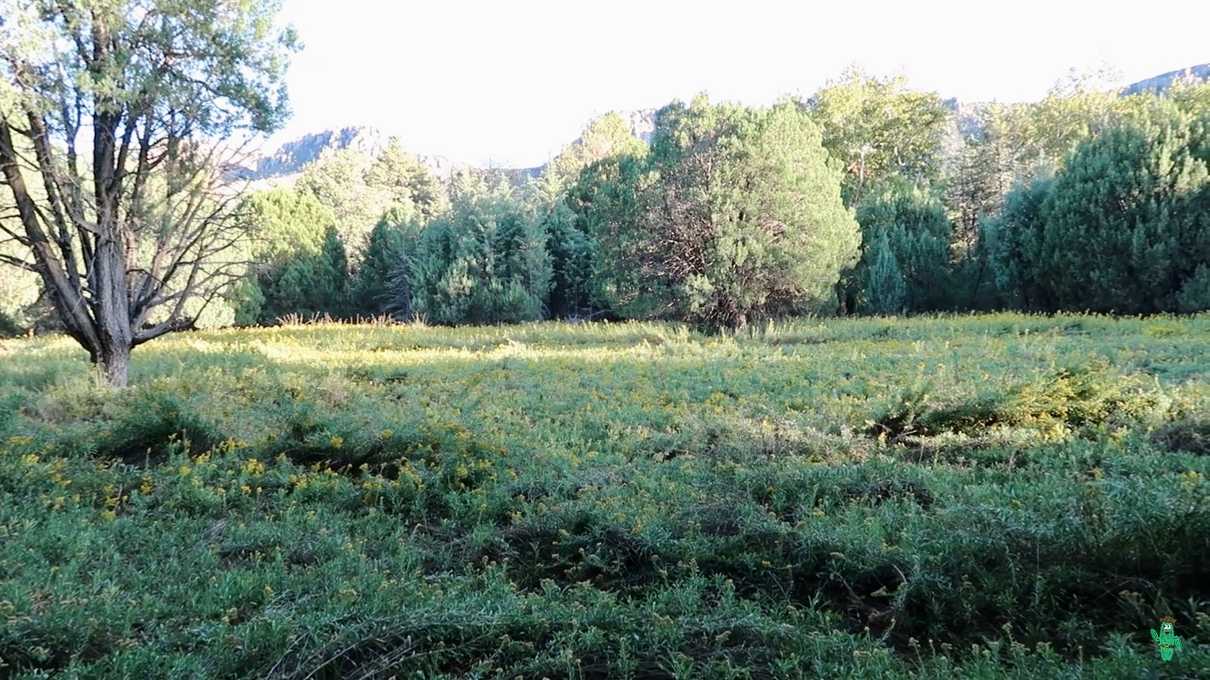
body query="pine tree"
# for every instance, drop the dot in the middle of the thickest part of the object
(914, 226)
(1126, 222)
(884, 290)
(375, 287)
(1013, 244)
(735, 215)
(485, 261)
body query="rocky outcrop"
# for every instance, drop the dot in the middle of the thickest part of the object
(293, 156)
(1160, 83)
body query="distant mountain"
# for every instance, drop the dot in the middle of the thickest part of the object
(284, 164)
(291, 157)
(287, 161)
(1162, 82)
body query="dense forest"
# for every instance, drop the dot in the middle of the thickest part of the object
(868, 197)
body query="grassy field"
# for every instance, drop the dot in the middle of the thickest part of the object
(985, 496)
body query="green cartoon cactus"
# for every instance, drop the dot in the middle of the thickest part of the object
(1166, 640)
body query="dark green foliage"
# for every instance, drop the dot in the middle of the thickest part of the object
(10, 407)
(150, 426)
(1127, 221)
(300, 266)
(8, 326)
(883, 287)
(571, 255)
(1014, 247)
(483, 262)
(735, 216)
(1194, 295)
(905, 265)
(307, 284)
(571, 251)
(377, 288)
(1190, 435)
(605, 201)
(1123, 228)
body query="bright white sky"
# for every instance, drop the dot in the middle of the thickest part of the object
(509, 82)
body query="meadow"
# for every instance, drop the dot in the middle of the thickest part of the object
(985, 496)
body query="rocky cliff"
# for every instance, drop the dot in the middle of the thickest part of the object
(1162, 82)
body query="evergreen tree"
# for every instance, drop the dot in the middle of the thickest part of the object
(407, 183)
(569, 248)
(884, 290)
(605, 137)
(287, 231)
(377, 285)
(1128, 219)
(878, 128)
(360, 188)
(603, 240)
(307, 283)
(485, 261)
(1013, 245)
(914, 228)
(735, 215)
(1194, 295)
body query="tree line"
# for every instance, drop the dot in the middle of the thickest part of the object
(866, 198)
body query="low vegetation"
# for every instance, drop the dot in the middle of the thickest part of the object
(984, 496)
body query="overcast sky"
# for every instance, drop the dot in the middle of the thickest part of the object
(509, 82)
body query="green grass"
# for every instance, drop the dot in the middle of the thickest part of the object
(978, 496)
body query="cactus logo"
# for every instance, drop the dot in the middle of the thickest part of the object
(1166, 640)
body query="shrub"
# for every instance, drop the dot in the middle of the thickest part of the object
(150, 426)
(9, 328)
(1083, 400)
(1194, 296)
(1190, 435)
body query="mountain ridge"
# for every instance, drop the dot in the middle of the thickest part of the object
(289, 159)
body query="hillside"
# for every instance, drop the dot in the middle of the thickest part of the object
(284, 163)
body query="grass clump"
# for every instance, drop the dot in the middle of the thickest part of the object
(148, 426)
(1083, 400)
(1188, 435)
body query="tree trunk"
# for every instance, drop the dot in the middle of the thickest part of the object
(114, 363)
